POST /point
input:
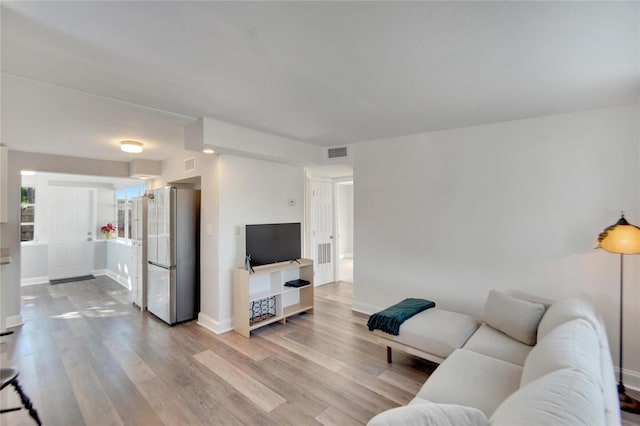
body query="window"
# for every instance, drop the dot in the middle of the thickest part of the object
(27, 213)
(123, 208)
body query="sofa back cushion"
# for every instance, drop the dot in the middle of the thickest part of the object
(573, 345)
(579, 306)
(516, 318)
(564, 397)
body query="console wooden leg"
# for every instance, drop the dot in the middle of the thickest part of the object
(389, 354)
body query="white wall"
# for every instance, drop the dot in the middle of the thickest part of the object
(449, 215)
(345, 220)
(119, 262)
(251, 192)
(34, 264)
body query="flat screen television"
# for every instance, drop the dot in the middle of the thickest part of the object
(273, 243)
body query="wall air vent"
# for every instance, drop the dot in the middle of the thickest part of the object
(190, 164)
(338, 152)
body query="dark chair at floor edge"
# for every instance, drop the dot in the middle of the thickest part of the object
(10, 376)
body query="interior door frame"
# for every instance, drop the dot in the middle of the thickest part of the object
(336, 222)
(309, 237)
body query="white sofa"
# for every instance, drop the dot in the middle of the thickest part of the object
(564, 376)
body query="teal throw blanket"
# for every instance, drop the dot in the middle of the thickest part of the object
(389, 320)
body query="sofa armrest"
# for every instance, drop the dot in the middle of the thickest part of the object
(430, 415)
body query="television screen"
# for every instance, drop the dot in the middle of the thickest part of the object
(272, 243)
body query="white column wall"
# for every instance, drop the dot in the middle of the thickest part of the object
(251, 192)
(207, 169)
(345, 220)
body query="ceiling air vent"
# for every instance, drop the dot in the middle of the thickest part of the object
(190, 164)
(339, 152)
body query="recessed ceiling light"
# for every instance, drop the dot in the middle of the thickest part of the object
(131, 146)
(27, 172)
(208, 151)
(143, 177)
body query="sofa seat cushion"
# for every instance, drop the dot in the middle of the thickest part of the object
(429, 414)
(435, 331)
(472, 379)
(564, 397)
(494, 343)
(573, 344)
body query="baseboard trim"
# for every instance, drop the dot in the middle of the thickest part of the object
(119, 279)
(13, 321)
(33, 281)
(211, 324)
(99, 272)
(631, 378)
(365, 308)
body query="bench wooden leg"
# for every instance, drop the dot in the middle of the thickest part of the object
(389, 354)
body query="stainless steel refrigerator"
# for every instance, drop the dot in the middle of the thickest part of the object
(173, 276)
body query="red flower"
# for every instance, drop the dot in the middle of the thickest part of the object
(108, 227)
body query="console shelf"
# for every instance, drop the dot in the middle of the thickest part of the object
(263, 293)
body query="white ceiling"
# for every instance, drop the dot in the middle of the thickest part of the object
(78, 77)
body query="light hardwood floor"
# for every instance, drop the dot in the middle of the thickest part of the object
(87, 356)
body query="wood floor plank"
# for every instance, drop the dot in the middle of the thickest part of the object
(400, 381)
(124, 394)
(304, 351)
(166, 406)
(129, 361)
(250, 348)
(395, 393)
(255, 391)
(334, 417)
(94, 403)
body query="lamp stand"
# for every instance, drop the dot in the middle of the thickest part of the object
(627, 403)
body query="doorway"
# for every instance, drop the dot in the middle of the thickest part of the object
(71, 232)
(330, 228)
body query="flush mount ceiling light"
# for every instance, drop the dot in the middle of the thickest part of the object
(131, 146)
(207, 149)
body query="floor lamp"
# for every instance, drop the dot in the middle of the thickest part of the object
(622, 238)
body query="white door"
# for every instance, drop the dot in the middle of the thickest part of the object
(322, 231)
(71, 233)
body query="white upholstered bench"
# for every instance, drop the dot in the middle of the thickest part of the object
(432, 334)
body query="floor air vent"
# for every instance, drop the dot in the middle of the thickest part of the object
(339, 152)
